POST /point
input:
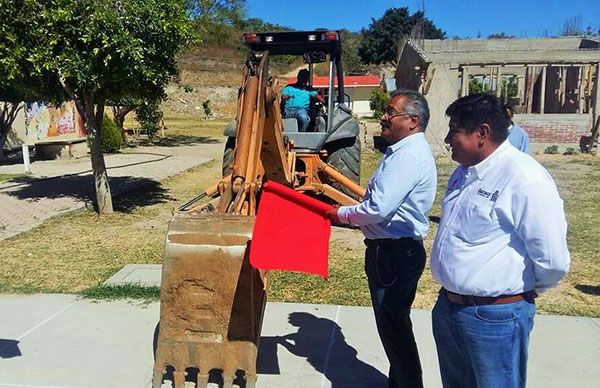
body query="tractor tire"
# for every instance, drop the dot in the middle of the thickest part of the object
(344, 155)
(228, 155)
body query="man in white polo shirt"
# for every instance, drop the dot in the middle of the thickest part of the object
(501, 241)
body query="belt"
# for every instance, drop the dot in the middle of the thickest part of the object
(384, 241)
(469, 300)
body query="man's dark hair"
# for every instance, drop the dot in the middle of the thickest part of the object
(471, 111)
(303, 73)
(415, 104)
(510, 109)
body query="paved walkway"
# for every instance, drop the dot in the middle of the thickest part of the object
(58, 186)
(63, 341)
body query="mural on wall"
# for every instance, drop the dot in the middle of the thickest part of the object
(44, 120)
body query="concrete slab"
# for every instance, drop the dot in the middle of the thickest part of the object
(147, 275)
(64, 341)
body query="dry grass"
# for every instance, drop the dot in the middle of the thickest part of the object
(578, 179)
(80, 250)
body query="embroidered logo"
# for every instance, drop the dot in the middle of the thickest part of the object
(494, 196)
(483, 193)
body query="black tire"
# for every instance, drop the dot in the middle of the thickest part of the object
(344, 155)
(228, 155)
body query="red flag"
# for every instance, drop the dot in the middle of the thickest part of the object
(290, 232)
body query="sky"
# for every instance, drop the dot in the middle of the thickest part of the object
(463, 18)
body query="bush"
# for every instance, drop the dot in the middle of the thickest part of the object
(377, 102)
(188, 88)
(149, 116)
(552, 150)
(111, 138)
(571, 151)
(208, 113)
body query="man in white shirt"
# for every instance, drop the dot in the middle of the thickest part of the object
(393, 218)
(501, 241)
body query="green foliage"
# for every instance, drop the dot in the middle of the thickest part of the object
(227, 12)
(111, 139)
(476, 86)
(124, 291)
(259, 25)
(95, 48)
(149, 115)
(552, 150)
(207, 109)
(188, 88)
(500, 35)
(509, 89)
(350, 58)
(377, 102)
(571, 151)
(380, 41)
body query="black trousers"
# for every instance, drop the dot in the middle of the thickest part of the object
(393, 269)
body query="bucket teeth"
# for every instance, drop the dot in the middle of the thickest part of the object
(212, 301)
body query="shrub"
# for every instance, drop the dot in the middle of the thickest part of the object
(553, 149)
(188, 88)
(207, 109)
(149, 116)
(111, 138)
(571, 151)
(377, 102)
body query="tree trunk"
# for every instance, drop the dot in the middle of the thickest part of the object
(93, 126)
(8, 114)
(120, 112)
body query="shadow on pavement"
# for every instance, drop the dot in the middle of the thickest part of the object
(322, 343)
(140, 192)
(9, 348)
(585, 288)
(177, 141)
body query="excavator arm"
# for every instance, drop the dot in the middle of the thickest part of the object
(212, 300)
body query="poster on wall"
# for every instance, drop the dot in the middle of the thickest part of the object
(46, 121)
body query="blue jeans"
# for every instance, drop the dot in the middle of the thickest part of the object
(393, 269)
(301, 115)
(482, 346)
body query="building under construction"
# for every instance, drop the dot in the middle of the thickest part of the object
(552, 82)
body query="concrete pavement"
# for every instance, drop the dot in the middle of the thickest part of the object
(58, 186)
(64, 341)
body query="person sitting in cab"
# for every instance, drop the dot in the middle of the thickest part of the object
(297, 100)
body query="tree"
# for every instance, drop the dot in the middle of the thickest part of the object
(500, 35)
(572, 27)
(97, 50)
(381, 41)
(350, 58)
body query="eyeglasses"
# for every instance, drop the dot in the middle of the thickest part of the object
(391, 113)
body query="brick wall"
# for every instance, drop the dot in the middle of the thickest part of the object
(555, 128)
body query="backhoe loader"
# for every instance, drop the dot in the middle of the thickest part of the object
(212, 301)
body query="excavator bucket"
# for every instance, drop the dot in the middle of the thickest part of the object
(212, 301)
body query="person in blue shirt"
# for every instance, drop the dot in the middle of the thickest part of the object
(393, 218)
(297, 100)
(516, 135)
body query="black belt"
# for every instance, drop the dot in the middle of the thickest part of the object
(469, 300)
(391, 241)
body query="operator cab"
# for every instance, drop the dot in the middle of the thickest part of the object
(314, 47)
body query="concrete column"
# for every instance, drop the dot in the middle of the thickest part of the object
(25, 151)
(498, 81)
(464, 90)
(582, 87)
(543, 91)
(529, 88)
(596, 101)
(562, 87)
